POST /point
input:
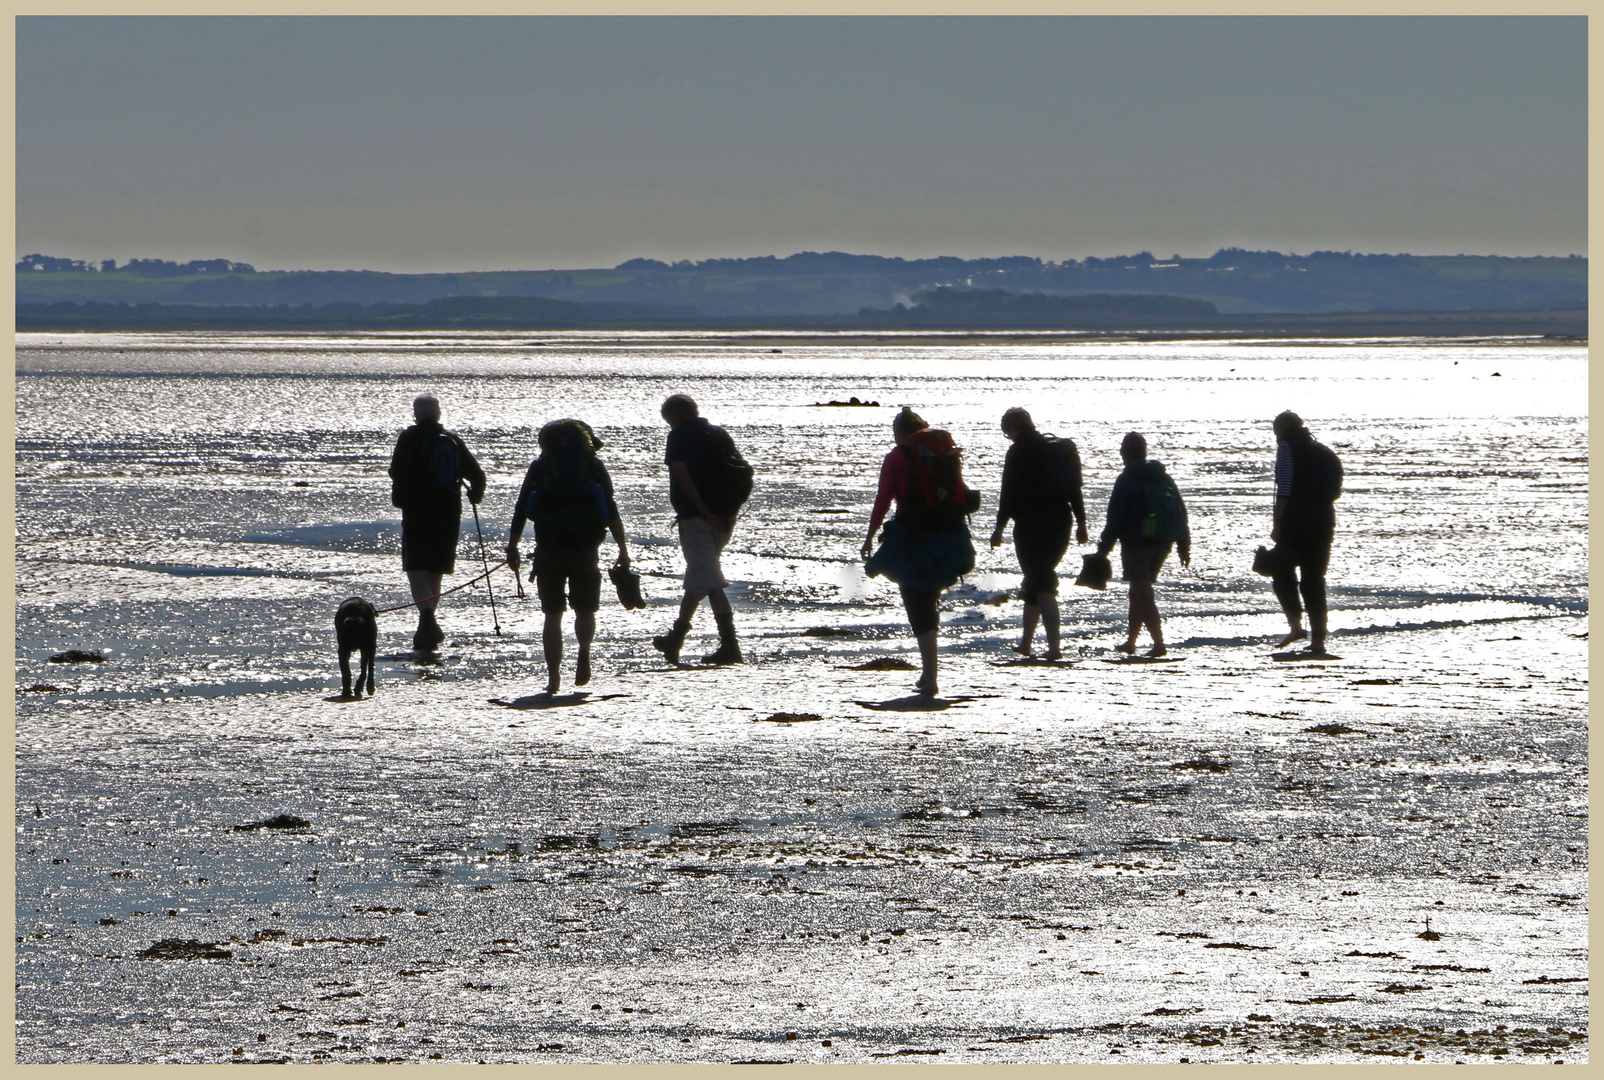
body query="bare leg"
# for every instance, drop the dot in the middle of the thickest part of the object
(1049, 618)
(1147, 611)
(1134, 627)
(1285, 584)
(584, 630)
(424, 585)
(927, 662)
(717, 601)
(551, 638)
(1027, 632)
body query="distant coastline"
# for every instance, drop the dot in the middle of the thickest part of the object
(1233, 293)
(1564, 325)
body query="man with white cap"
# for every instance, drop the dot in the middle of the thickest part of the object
(426, 474)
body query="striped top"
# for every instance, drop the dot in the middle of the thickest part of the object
(1283, 470)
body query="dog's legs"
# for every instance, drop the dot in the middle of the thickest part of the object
(345, 673)
(367, 669)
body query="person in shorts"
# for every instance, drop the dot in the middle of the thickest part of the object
(568, 496)
(1042, 513)
(427, 471)
(1146, 525)
(702, 533)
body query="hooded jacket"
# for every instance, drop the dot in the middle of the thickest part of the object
(1125, 508)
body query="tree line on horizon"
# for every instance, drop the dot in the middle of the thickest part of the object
(807, 262)
(1235, 280)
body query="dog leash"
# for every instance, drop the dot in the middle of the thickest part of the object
(447, 592)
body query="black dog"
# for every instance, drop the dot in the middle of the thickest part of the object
(356, 627)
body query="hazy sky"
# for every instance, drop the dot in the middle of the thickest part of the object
(528, 143)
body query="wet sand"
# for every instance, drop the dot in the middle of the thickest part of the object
(1222, 859)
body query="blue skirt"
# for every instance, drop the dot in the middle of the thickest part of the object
(928, 562)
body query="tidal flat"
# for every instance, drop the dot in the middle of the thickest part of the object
(1380, 856)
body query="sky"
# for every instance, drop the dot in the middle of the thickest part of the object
(448, 144)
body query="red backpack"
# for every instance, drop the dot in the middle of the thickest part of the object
(937, 468)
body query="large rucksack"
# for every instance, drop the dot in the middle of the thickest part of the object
(939, 500)
(441, 470)
(1161, 516)
(1323, 470)
(727, 482)
(1063, 470)
(567, 503)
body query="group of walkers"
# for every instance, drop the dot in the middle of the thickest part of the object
(925, 546)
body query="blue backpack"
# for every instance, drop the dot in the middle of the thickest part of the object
(440, 466)
(1160, 515)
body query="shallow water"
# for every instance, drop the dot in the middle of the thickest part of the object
(1075, 863)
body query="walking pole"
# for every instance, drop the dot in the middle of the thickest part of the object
(485, 562)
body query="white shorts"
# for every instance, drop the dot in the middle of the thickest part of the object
(702, 544)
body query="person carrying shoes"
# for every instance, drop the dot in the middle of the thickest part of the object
(568, 496)
(1146, 517)
(1308, 480)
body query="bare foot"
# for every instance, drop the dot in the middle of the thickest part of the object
(1022, 649)
(552, 684)
(1128, 648)
(1056, 654)
(1157, 651)
(1296, 634)
(582, 669)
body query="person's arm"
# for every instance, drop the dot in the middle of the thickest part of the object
(1007, 491)
(882, 496)
(615, 521)
(1283, 488)
(680, 472)
(1116, 515)
(515, 531)
(399, 460)
(1077, 502)
(1183, 545)
(471, 472)
(617, 526)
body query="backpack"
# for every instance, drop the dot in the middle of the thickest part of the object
(1063, 469)
(727, 482)
(440, 469)
(1160, 515)
(1323, 469)
(567, 503)
(942, 501)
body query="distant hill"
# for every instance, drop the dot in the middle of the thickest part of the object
(944, 311)
(815, 284)
(447, 313)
